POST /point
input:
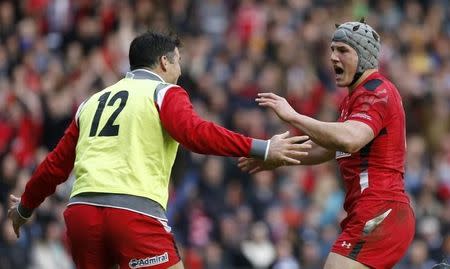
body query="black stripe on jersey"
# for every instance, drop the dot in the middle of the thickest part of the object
(372, 84)
(356, 250)
(364, 152)
(382, 132)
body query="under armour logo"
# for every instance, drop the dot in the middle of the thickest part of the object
(346, 245)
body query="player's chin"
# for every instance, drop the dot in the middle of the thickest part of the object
(342, 82)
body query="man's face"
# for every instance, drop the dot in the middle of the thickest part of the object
(345, 61)
(173, 67)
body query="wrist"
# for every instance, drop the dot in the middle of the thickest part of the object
(259, 149)
(266, 153)
(293, 118)
(24, 212)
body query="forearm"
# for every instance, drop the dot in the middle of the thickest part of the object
(333, 136)
(316, 155)
(54, 170)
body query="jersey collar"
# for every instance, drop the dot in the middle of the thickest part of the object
(143, 74)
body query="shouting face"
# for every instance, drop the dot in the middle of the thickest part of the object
(345, 61)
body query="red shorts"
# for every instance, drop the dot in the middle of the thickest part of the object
(377, 233)
(99, 237)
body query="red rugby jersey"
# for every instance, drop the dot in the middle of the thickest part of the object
(376, 171)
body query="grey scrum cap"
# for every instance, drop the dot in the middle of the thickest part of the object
(363, 39)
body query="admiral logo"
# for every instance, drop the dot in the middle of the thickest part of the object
(340, 154)
(149, 261)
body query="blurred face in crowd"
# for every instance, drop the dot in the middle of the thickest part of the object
(345, 61)
(171, 66)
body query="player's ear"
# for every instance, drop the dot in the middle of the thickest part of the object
(163, 62)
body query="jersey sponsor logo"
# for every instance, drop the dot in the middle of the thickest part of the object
(340, 154)
(362, 116)
(346, 245)
(371, 99)
(149, 261)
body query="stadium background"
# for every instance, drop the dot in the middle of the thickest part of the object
(56, 53)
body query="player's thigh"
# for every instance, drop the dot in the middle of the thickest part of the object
(141, 241)
(85, 232)
(336, 261)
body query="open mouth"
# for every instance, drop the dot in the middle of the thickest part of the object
(338, 70)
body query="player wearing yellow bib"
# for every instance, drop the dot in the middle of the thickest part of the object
(121, 146)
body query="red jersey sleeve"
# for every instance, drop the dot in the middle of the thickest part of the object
(370, 107)
(196, 134)
(54, 170)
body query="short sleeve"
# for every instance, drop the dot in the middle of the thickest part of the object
(370, 107)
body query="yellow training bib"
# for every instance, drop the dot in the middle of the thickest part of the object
(122, 147)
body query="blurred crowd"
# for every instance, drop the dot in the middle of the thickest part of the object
(56, 53)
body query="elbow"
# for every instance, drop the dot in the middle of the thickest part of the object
(353, 149)
(354, 136)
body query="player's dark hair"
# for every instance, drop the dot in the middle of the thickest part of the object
(147, 48)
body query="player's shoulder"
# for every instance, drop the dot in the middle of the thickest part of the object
(164, 86)
(372, 85)
(376, 82)
(378, 85)
(167, 90)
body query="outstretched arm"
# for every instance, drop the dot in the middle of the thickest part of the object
(349, 136)
(198, 135)
(316, 155)
(54, 170)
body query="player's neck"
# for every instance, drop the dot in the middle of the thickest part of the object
(158, 72)
(366, 73)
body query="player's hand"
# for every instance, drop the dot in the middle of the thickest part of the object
(284, 150)
(14, 216)
(253, 166)
(278, 104)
